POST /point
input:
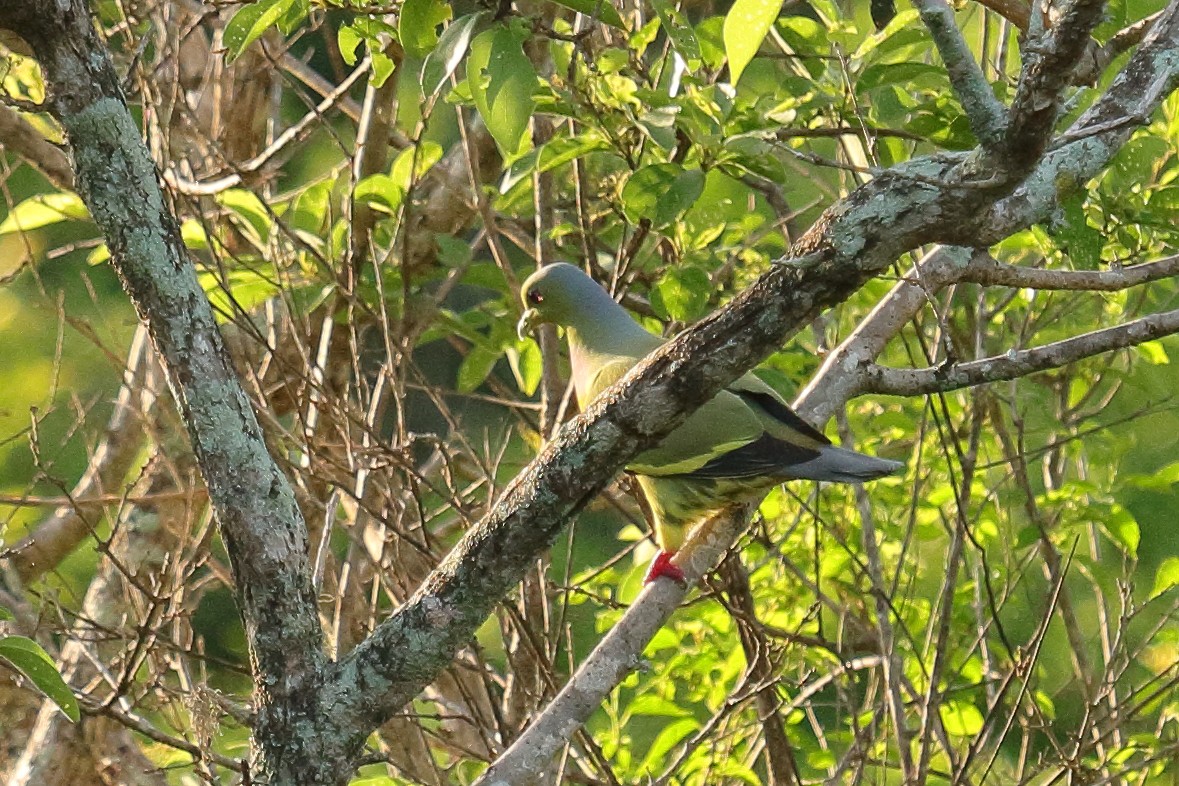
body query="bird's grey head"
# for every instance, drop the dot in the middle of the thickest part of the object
(561, 294)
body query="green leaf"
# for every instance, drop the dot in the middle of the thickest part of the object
(1166, 576)
(651, 704)
(414, 162)
(237, 291)
(246, 205)
(672, 734)
(745, 28)
(445, 57)
(192, 232)
(502, 79)
(1082, 242)
(99, 255)
(1122, 528)
(961, 719)
(661, 193)
(1154, 353)
(418, 26)
(6, 614)
(821, 759)
(602, 10)
(678, 28)
(251, 22)
(290, 21)
(556, 152)
(311, 208)
(27, 657)
(42, 211)
(527, 365)
(1160, 480)
(383, 66)
(348, 39)
(475, 368)
(900, 24)
(682, 294)
(381, 192)
(896, 73)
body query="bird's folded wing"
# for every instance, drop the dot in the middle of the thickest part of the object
(747, 430)
(718, 428)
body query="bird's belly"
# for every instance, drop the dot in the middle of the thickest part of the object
(679, 503)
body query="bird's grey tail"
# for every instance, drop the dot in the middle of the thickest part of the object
(839, 465)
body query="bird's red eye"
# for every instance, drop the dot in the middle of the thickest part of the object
(534, 297)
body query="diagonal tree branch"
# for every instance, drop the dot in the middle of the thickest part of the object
(614, 657)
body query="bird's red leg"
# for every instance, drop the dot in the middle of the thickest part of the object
(663, 566)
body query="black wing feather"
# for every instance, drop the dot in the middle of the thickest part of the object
(766, 455)
(780, 412)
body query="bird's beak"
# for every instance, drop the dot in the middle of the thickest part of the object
(528, 321)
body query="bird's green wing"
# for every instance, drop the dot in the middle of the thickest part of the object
(783, 441)
(721, 426)
(718, 427)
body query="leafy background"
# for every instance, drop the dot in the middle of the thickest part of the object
(675, 150)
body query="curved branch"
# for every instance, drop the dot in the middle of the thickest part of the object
(916, 382)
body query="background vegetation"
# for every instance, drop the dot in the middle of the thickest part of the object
(362, 187)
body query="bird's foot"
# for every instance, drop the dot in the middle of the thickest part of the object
(663, 566)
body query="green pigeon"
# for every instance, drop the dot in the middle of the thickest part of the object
(734, 448)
